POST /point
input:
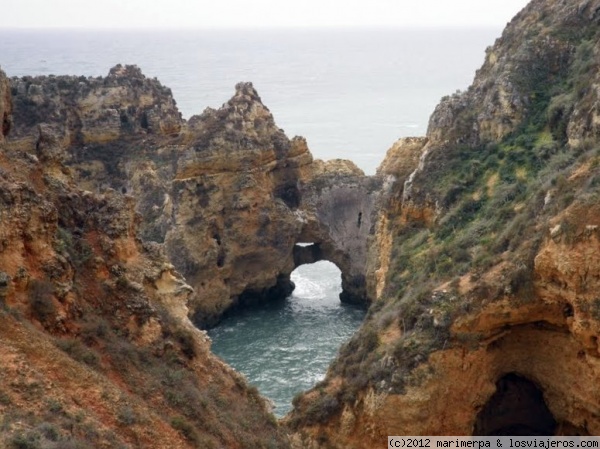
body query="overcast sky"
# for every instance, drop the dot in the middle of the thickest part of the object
(255, 13)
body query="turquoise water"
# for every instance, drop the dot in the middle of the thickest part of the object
(285, 347)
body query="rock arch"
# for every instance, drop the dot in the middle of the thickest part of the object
(336, 211)
(340, 213)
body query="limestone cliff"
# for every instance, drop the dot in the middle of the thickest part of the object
(95, 342)
(226, 193)
(485, 269)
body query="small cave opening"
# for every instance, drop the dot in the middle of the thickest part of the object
(221, 258)
(516, 408)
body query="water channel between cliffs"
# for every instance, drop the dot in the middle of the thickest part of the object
(286, 346)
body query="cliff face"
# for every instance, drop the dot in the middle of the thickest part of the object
(225, 197)
(227, 193)
(484, 267)
(96, 346)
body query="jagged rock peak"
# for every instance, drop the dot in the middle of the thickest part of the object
(126, 71)
(132, 77)
(246, 91)
(244, 122)
(246, 100)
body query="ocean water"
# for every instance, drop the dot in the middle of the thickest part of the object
(285, 347)
(350, 92)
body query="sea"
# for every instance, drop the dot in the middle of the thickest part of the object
(351, 92)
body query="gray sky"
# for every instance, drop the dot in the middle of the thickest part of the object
(255, 13)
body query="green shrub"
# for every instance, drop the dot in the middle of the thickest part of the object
(186, 342)
(73, 246)
(320, 409)
(79, 352)
(5, 399)
(54, 406)
(49, 431)
(126, 416)
(29, 440)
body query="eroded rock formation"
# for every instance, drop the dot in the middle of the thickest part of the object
(5, 106)
(227, 193)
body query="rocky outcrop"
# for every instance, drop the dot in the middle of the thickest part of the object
(234, 196)
(400, 161)
(245, 196)
(89, 110)
(484, 320)
(518, 85)
(226, 193)
(96, 346)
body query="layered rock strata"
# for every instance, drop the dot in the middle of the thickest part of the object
(477, 243)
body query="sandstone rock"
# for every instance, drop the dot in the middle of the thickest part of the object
(94, 110)
(252, 194)
(402, 158)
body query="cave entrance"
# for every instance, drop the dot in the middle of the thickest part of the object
(516, 408)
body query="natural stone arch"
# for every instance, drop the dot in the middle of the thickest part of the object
(339, 207)
(353, 285)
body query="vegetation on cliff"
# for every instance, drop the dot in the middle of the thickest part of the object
(504, 167)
